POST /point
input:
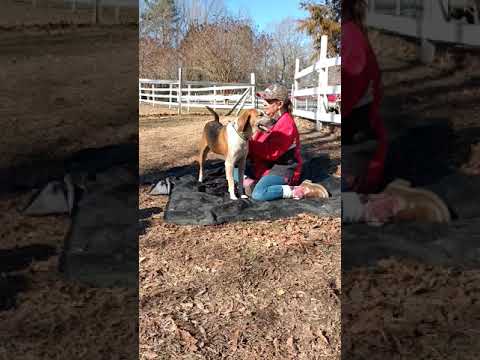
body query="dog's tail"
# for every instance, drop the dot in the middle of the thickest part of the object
(214, 113)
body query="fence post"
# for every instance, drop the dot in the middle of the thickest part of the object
(139, 91)
(295, 83)
(252, 82)
(179, 92)
(426, 50)
(34, 3)
(322, 82)
(214, 97)
(188, 100)
(397, 8)
(153, 94)
(117, 14)
(74, 5)
(94, 12)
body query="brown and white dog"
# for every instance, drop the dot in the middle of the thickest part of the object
(231, 141)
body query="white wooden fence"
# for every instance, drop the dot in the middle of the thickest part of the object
(423, 19)
(190, 94)
(69, 8)
(312, 102)
(309, 102)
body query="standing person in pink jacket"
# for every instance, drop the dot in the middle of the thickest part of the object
(275, 158)
(361, 96)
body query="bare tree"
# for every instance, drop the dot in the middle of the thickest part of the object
(156, 62)
(288, 44)
(224, 51)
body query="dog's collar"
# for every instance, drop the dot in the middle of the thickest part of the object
(243, 135)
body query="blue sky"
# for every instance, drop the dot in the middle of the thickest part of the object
(265, 12)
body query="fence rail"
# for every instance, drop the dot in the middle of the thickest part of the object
(38, 12)
(312, 102)
(193, 94)
(424, 19)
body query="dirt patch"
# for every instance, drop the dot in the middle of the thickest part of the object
(248, 290)
(409, 310)
(415, 92)
(78, 90)
(51, 108)
(53, 317)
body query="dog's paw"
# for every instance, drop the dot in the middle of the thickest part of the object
(244, 197)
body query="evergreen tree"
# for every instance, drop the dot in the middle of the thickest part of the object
(324, 19)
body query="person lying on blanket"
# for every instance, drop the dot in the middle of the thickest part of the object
(275, 162)
(361, 97)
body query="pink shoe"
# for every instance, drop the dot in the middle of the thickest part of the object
(381, 208)
(309, 190)
(298, 192)
(248, 182)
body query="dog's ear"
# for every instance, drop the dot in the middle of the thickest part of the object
(244, 121)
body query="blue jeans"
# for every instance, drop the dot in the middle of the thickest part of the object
(268, 188)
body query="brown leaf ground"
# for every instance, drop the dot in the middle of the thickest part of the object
(401, 309)
(247, 290)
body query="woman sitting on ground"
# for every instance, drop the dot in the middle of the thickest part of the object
(275, 161)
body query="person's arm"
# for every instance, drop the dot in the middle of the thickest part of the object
(276, 144)
(354, 56)
(354, 62)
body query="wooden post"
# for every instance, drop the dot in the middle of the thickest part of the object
(74, 5)
(295, 83)
(322, 82)
(431, 11)
(214, 97)
(34, 3)
(139, 91)
(117, 14)
(252, 82)
(99, 12)
(292, 92)
(153, 94)
(94, 11)
(242, 103)
(179, 92)
(188, 100)
(170, 96)
(397, 8)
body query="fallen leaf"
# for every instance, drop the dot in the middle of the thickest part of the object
(190, 341)
(236, 336)
(291, 345)
(150, 355)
